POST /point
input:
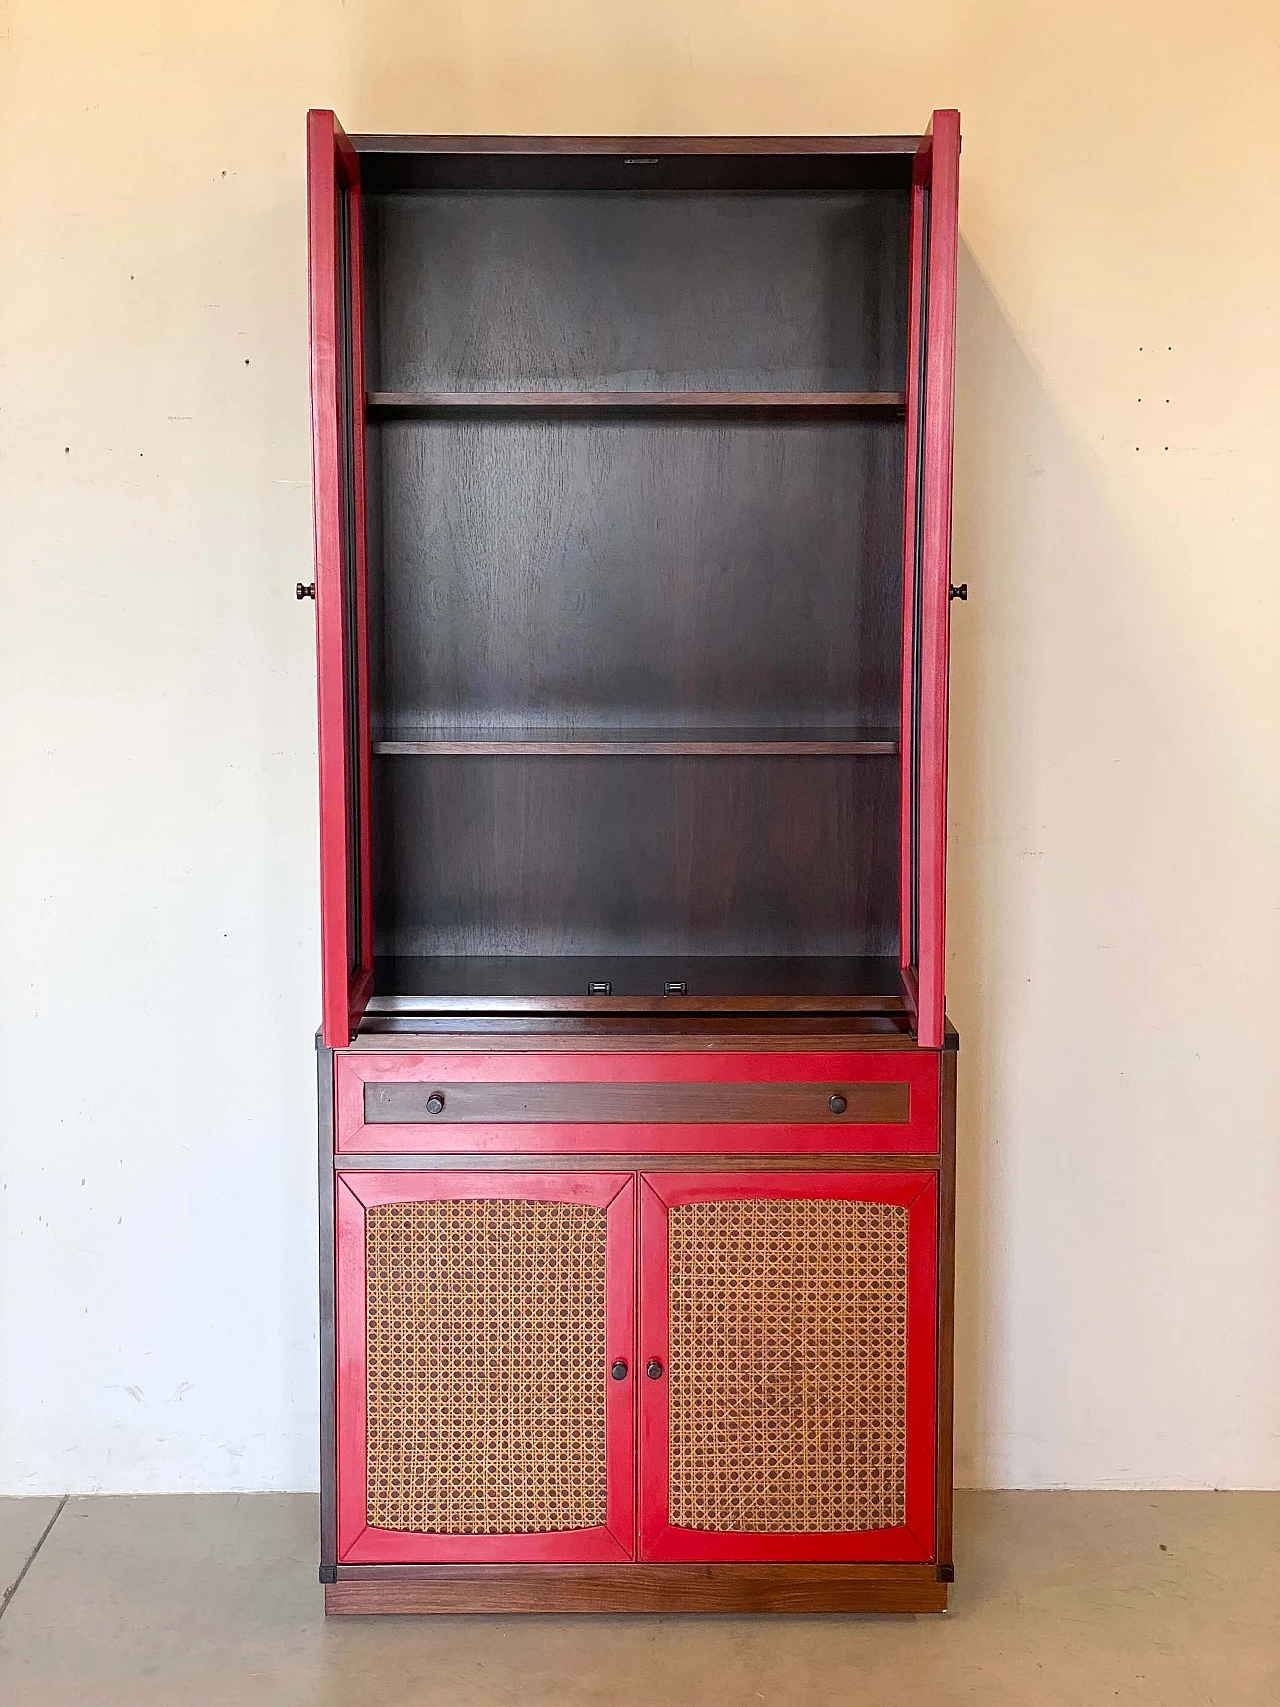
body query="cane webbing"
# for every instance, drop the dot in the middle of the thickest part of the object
(486, 1366)
(788, 1364)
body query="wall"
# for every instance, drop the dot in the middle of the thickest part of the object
(1114, 924)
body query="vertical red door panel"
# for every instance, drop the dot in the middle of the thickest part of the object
(337, 441)
(927, 572)
(362, 1542)
(912, 1539)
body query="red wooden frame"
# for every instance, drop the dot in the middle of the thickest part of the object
(331, 161)
(917, 1136)
(914, 1540)
(360, 1544)
(927, 555)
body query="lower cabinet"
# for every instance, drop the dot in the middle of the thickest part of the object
(607, 1366)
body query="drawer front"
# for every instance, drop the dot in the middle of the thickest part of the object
(729, 1102)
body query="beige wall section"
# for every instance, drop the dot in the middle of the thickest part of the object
(1115, 965)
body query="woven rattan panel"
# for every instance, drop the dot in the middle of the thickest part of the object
(788, 1364)
(486, 1366)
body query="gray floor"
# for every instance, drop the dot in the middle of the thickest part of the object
(1167, 1599)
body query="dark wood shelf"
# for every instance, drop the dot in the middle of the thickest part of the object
(562, 984)
(639, 743)
(877, 403)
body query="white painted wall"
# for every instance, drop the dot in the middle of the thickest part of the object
(1116, 702)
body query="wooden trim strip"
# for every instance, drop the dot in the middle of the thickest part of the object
(737, 1102)
(607, 1035)
(664, 1162)
(655, 746)
(635, 1004)
(891, 403)
(794, 1588)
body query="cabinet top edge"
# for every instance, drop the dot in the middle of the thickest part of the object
(547, 1035)
(687, 1043)
(371, 143)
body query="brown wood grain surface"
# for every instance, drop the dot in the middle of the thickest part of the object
(735, 1102)
(391, 1161)
(636, 1587)
(662, 402)
(574, 1033)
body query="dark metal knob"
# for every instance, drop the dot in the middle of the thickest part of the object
(837, 1105)
(653, 1369)
(306, 591)
(618, 1369)
(961, 592)
(435, 1103)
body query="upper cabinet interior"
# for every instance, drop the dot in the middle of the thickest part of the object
(633, 461)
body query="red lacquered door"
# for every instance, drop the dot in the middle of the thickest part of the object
(485, 1333)
(927, 571)
(337, 441)
(786, 1365)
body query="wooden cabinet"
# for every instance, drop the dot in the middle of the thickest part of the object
(632, 476)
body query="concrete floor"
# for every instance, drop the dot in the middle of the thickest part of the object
(1079, 1598)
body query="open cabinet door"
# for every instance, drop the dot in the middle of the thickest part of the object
(337, 441)
(927, 572)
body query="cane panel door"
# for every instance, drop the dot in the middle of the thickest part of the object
(485, 1345)
(786, 1365)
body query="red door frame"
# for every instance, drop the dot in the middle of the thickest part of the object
(912, 1541)
(360, 1544)
(916, 1136)
(331, 162)
(927, 556)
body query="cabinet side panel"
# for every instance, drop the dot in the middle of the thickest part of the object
(328, 1435)
(946, 1308)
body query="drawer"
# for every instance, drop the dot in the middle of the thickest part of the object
(729, 1101)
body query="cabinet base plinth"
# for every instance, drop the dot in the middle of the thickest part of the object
(362, 1590)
